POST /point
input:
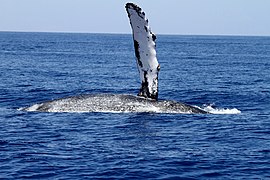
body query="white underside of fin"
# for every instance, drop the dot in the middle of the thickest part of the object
(145, 51)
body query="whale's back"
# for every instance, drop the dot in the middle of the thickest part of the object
(116, 103)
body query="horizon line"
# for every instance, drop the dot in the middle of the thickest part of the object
(125, 33)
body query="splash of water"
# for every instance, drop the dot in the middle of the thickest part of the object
(215, 110)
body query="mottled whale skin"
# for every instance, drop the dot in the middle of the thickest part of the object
(145, 51)
(113, 103)
(148, 66)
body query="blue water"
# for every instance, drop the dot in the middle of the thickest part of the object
(221, 71)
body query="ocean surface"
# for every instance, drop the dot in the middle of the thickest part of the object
(229, 75)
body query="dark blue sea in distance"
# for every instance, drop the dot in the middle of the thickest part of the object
(223, 72)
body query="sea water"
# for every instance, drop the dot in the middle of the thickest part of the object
(226, 75)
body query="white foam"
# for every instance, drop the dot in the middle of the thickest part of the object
(31, 108)
(214, 110)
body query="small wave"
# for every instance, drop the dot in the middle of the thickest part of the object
(31, 108)
(215, 110)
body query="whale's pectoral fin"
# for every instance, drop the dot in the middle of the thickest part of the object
(145, 51)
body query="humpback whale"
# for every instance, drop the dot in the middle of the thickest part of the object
(148, 66)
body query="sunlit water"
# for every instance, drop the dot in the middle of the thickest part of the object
(228, 76)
